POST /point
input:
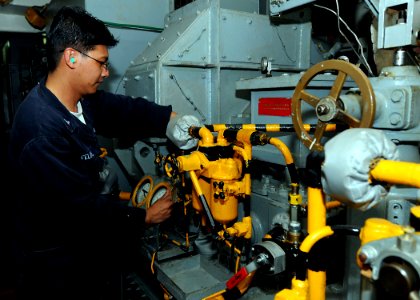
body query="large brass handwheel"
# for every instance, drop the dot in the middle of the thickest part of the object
(327, 108)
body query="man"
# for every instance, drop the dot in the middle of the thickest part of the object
(69, 218)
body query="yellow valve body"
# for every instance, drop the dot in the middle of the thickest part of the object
(214, 181)
(376, 228)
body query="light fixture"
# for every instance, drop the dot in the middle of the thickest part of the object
(35, 16)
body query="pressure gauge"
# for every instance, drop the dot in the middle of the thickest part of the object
(158, 191)
(142, 192)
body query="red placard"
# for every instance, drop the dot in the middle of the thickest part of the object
(276, 106)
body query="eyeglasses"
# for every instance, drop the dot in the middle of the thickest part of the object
(104, 64)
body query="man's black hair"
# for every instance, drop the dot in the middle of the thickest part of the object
(75, 27)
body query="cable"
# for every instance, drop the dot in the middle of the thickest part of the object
(361, 55)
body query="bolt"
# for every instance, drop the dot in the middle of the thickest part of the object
(395, 119)
(367, 254)
(397, 95)
(322, 109)
(363, 257)
(407, 242)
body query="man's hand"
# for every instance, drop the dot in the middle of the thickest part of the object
(160, 210)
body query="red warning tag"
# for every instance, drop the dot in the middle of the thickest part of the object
(276, 106)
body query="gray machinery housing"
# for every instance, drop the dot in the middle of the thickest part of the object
(204, 49)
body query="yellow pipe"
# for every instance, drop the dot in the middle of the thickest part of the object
(247, 177)
(104, 152)
(328, 128)
(125, 196)
(243, 153)
(219, 127)
(415, 211)
(236, 250)
(187, 236)
(317, 284)
(317, 212)
(397, 172)
(271, 127)
(314, 287)
(283, 149)
(248, 150)
(333, 204)
(317, 280)
(206, 137)
(152, 263)
(221, 140)
(247, 181)
(244, 135)
(237, 264)
(238, 257)
(317, 219)
(311, 239)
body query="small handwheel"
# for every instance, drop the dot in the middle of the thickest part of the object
(171, 166)
(328, 108)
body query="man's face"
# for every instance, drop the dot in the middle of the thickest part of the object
(93, 69)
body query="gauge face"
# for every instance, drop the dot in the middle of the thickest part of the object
(142, 191)
(157, 194)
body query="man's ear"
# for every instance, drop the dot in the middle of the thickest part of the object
(69, 57)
